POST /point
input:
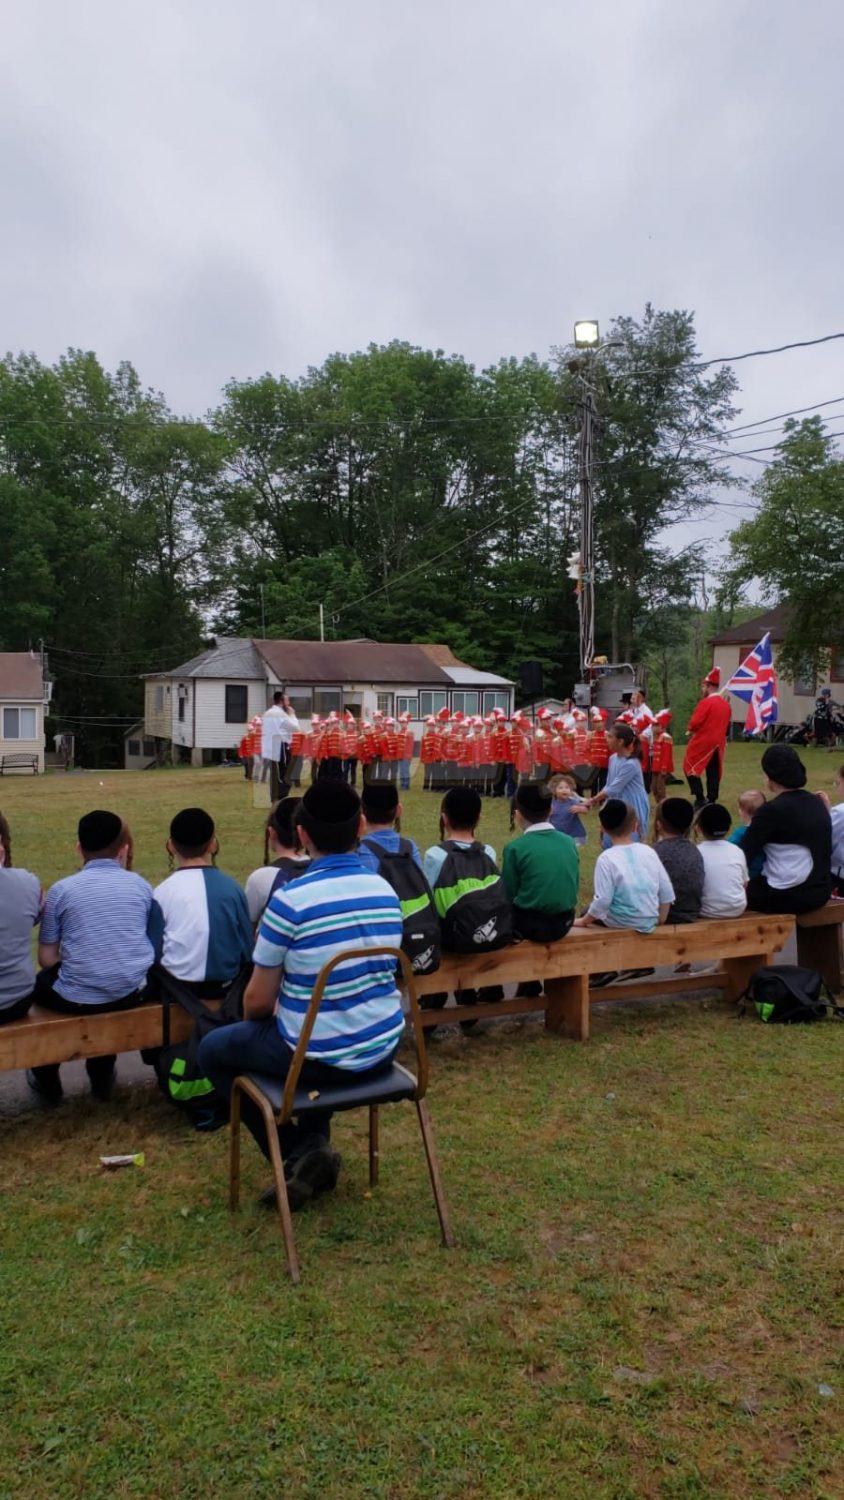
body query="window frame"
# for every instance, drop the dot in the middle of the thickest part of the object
(229, 717)
(324, 709)
(431, 694)
(836, 666)
(20, 709)
(384, 703)
(491, 697)
(407, 704)
(460, 707)
(133, 747)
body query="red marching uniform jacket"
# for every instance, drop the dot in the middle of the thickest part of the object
(708, 728)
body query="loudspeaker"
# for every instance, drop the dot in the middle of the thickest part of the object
(530, 680)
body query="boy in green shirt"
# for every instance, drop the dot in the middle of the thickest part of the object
(540, 870)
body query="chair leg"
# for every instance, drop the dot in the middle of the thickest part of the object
(234, 1152)
(434, 1169)
(373, 1145)
(281, 1197)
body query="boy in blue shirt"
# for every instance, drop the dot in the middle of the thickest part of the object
(380, 806)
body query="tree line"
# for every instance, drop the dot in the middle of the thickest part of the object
(411, 495)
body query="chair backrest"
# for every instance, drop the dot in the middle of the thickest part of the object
(409, 983)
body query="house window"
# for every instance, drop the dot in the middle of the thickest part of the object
(302, 702)
(407, 706)
(159, 700)
(805, 685)
(182, 701)
(836, 671)
(133, 747)
(496, 700)
(237, 705)
(385, 703)
(149, 747)
(431, 703)
(19, 723)
(465, 703)
(327, 701)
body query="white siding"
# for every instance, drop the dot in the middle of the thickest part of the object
(24, 747)
(158, 721)
(793, 707)
(211, 730)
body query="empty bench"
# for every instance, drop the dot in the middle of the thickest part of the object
(740, 944)
(19, 761)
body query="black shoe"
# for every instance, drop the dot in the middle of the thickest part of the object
(597, 981)
(102, 1085)
(49, 1089)
(314, 1172)
(529, 989)
(624, 974)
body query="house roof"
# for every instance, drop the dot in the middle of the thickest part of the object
(314, 662)
(20, 676)
(441, 654)
(230, 656)
(774, 621)
(467, 676)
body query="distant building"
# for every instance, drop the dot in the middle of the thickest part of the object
(138, 749)
(202, 708)
(24, 695)
(796, 695)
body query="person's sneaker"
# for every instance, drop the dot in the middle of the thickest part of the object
(597, 981)
(633, 974)
(49, 1089)
(102, 1085)
(313, 1172)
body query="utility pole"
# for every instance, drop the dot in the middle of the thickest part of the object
(586, 596)
(322, 622)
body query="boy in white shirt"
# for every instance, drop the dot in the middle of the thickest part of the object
(725, 867)
(632, 887)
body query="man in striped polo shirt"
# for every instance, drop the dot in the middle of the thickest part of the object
(337, 904)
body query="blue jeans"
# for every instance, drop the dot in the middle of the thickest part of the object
(259, 1047)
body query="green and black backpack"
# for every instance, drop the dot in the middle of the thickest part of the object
(176, 1065)
(420, 924)
(472, 901)
(790, 995)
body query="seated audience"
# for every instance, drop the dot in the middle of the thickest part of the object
(632, 886)
(625, 781)
(748, 804)
(94, 946)
(481, 903)
(836, 816)
(337, 904)
(380, 805)
(540, 870)
(793, 832)
(674, 818)
(725, 867)
(566, 807)
(21, 904)
(201, 925)
(284, 857)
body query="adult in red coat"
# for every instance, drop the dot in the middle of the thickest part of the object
(708, 728)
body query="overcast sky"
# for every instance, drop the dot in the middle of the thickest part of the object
(215, 188)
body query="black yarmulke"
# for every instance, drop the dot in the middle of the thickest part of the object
(192, 828)
(676, 813)
(533, 800)
(614, 814)
(98, 830)
(714, 820)
(330, 802)
(379, 801)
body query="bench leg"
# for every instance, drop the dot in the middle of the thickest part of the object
(820, 948)
(567, 1006)
(739, 971)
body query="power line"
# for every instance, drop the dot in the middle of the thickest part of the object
(732, 359)
(781, 415)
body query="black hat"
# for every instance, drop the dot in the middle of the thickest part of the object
(462, 806)
(614, 815)
(192, 828)
(784, 766)
(676, 813)
(379, 800)
(98, 830)
(714, 820)
(329, 812)
(533, 801)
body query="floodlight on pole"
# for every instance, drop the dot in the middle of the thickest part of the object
(586, 334)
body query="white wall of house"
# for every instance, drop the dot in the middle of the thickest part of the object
(22, 728)
(796, 699)
(204, 705)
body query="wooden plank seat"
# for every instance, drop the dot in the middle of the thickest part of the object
(741, 945)
(19, 760)
(819, 939)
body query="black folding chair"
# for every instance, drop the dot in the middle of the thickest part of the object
(280, 1100)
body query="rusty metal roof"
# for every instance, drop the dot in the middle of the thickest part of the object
(20, 676)
(312, 662)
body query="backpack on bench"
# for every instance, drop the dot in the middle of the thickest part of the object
(790, 995)
(472, 900)
(420, 923)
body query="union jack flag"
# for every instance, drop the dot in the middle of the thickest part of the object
(755, 680)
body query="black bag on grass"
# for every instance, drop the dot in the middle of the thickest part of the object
(176, 1065)
(790, 995)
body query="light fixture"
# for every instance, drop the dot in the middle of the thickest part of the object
(586, 335)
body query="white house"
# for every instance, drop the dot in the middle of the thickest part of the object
(138, 749)
(202, 708)
(24, 694)
(796, 695)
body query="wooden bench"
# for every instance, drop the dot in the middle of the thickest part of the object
(819, 942)
(741, 944)
(19, 761)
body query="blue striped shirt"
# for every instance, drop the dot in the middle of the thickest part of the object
(338, 904)
(99, 917)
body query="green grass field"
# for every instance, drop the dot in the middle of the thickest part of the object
(646, 1299)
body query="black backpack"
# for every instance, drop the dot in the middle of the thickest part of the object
(472, 902)
(420, 924)
(790, 995)
(176, 1066)
(288, 869)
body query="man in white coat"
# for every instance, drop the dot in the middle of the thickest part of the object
(277, 728)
